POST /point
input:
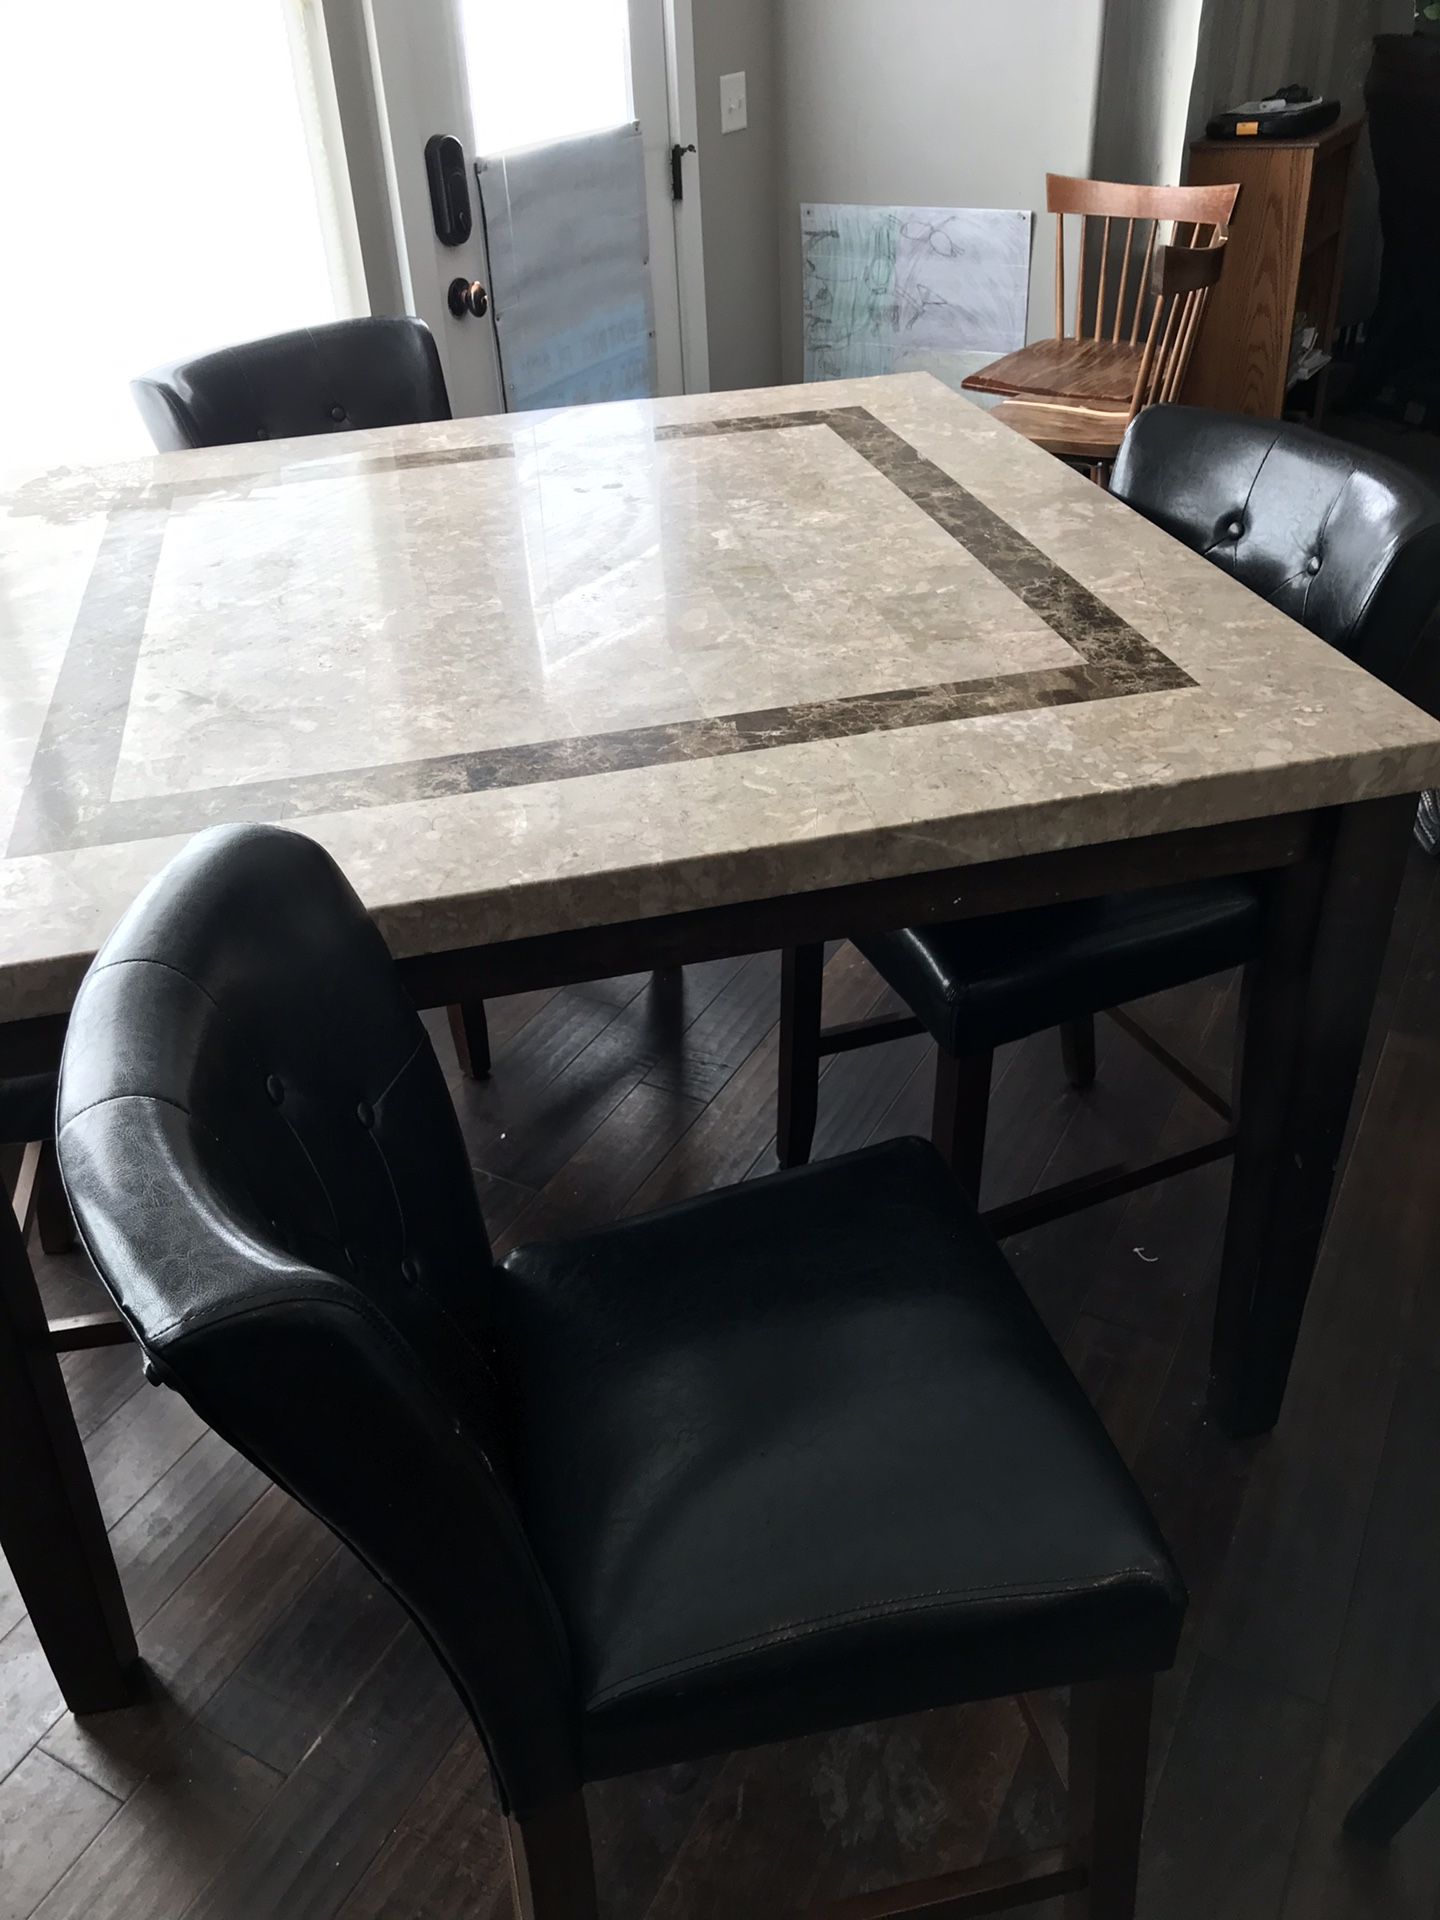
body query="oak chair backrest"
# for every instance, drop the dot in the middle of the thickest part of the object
(1146, 261)
(1181, 279)
(1107, 303)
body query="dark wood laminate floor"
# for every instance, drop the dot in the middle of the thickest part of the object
(301, 1756)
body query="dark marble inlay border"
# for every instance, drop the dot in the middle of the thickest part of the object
(67, 804)
(1083, 621)
(299, 796)
(342, 467)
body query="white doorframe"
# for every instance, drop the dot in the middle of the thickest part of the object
(381, 241)
(689, 223)
(363, 154)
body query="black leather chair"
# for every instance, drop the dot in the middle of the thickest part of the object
(1345, 542)
(791, 1456)
(330, 379)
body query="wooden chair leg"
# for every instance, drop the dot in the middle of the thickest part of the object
(52, 1209)
(470, 1031)
(1077, 1050)
(1109, 1748)
(962, 1109)
(1401, 1787)
(552, 1870)
(802, 975)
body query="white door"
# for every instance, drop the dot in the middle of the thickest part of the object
(421, 84)
(499, 77)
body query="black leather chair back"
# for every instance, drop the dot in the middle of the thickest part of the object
(267, 1172)
(1341, 539)
(353, 373)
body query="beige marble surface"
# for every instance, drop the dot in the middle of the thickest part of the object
(492, 664)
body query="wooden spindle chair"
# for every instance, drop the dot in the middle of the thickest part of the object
(1139, 296)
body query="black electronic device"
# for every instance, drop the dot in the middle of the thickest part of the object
(449, 189)
(1287, 114)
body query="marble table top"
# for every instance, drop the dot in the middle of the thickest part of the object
(531, 674)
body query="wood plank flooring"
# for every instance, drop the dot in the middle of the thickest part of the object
(300, 1755)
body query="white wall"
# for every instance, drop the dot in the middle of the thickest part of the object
(1147, 69)
(961, 103)
(739, 192)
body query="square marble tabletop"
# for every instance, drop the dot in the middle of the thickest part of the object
(546, 672)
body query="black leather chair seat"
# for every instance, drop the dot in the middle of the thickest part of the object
(977, 983)
(27, 1107)
(802, 1455)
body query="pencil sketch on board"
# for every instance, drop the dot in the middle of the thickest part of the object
(885, 288)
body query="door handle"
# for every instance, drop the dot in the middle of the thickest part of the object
(449, 191)
(467, 296)
(677, 169)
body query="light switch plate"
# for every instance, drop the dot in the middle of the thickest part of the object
(734, 108)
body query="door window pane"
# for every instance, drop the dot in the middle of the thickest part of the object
(546, 70)
(160, 200)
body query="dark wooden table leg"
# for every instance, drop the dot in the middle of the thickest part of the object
(51, 1529)
(52, 1209)
(552, 1867)
(470, 1031)
(1077, 1050)
(1109, 1747)
(802, 978)
(1308, 1002)
(961, 1111)
(1401, 1787)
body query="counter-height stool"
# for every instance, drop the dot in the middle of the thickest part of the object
(1345, 542)
(373, 372)
(789, 1457)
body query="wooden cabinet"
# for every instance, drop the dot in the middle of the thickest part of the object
(1284, 260)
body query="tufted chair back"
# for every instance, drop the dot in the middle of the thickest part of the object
(266, 1170)
(1344, 541)
(353, 373)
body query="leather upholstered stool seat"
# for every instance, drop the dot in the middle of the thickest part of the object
(978, 983)
(761, 1465)
(801, 1454)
